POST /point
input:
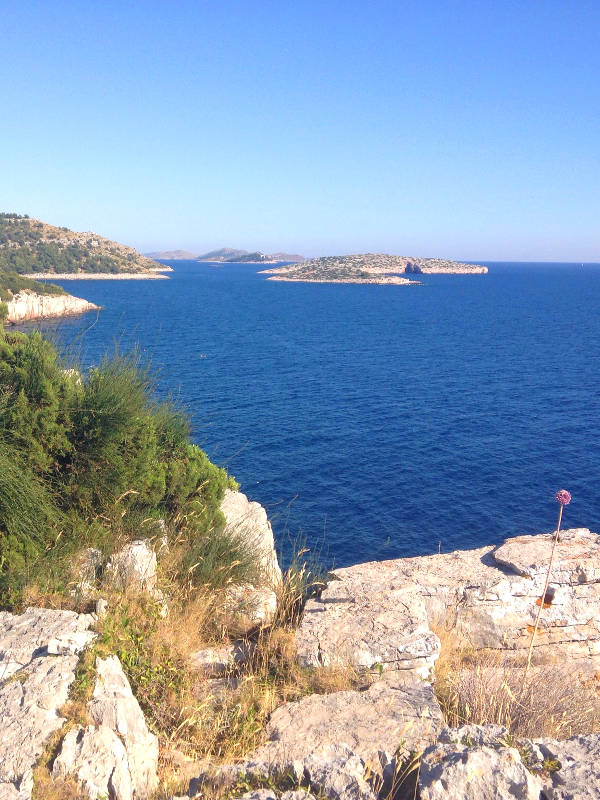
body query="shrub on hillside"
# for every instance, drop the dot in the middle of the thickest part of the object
(87, 450)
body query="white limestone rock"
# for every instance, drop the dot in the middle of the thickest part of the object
(114, 706)
(337, 773)
(35, 684)
(216, 661)
(248, 520)
(97, 759)
(474, 763)
(362, 616)
(133, 568)
(576, 558)
(365, 619)
(578, 773)
(252, 605)
(392, 718)
(30, 305)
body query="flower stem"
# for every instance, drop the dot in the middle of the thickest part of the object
(537, 620)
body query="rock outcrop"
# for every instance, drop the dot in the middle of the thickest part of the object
(38, 657)
(382, 611)
(247, 521)
(389, 720)
(117, 756)
(28, 305)
(481, 763)
(133, 568)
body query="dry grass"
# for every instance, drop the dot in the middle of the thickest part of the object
(196, 717)
(488, 687)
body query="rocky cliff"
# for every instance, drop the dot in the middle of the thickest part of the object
(28, 305)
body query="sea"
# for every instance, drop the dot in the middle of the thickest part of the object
(376, 421)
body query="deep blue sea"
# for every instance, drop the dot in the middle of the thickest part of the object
(378, 421)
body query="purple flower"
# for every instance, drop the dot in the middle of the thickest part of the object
(563, 497)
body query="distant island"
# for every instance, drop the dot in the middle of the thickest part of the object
(173, 255)
(228, 255)
(31, 247)
(369, 268)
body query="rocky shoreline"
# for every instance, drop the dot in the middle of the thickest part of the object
(27, 305)
(379, 618)
(153, 273)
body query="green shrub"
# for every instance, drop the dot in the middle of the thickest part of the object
(86, 459)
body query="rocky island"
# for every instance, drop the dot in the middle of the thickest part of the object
(370, 268)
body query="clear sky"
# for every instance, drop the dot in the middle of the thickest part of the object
(466, 129)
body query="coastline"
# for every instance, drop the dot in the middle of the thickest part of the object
(151, 275)
(27, 305)
(394, 279)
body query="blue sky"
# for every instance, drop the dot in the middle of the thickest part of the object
(462, 129)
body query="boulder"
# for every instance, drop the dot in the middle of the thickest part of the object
(475, 763)
(576, 557)
(35, 684)
(117, 756)
(216, 661)
(338, 773)
(253, 606)
(248, 520)
(133, 568)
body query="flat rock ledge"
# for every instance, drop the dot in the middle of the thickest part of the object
(380, 614)
(39, 652)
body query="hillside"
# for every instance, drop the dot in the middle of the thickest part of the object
(31, 246)
(228, 255)
(261, 258)
(368, 268)
(173, 255)
(223, 254)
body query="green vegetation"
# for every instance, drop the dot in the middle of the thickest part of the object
(89, 459)
(30, 246)
(11, 284)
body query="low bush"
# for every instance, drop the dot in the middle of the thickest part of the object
(88, 459)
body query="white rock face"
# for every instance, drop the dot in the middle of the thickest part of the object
(249, 521)
(474, 763)
(118, 756)
(380, 611)
(35, 684)
(133, 568)
(29, 305)
(98, 758)
(578, 777)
